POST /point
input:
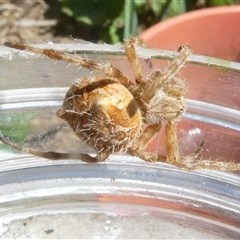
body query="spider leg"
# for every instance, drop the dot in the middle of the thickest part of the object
(173, 154)
(138, 147)
(54, 155)
(155, 84)
(130, 50)
(190, 162)
(105, 68)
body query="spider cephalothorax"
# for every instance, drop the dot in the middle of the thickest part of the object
(110, 113)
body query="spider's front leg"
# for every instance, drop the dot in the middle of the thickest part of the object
(105, 68)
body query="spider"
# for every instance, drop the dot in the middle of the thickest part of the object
(112, 114)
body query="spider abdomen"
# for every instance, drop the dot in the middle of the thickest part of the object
(103, 113)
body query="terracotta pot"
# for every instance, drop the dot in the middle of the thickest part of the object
(212, 32)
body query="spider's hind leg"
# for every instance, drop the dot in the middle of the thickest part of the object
(54, 155)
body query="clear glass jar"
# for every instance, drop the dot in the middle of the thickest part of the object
(123, 197)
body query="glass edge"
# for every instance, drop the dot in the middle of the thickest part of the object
(143, 52)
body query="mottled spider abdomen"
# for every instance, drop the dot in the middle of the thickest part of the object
(103, 113)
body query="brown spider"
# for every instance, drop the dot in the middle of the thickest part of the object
(110, 112)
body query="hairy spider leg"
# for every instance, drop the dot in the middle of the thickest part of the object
(105, 68)
(172, 149)
(154, 85)
(130, 49)
(190, 162)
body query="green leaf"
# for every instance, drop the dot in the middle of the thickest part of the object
(220, 2)
(92, 12)
(85, 19)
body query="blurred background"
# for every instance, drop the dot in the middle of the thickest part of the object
(36, 21)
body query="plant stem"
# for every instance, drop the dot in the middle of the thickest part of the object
(130, 19)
